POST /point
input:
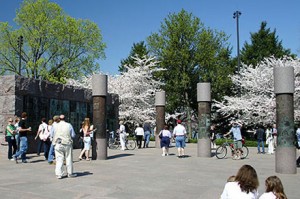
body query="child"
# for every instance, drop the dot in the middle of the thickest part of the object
(274, 189)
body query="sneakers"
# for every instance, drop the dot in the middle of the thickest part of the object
(59, 177)
(24, 161)
(15, 159)
(73, 175)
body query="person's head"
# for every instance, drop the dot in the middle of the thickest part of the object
(274, 125)
(24, 115)
(166, 127)
(121, 122)
(50, 122)
(247, 178)
(43, 120)
(86, 122)
(273, 184)
(17, 119)
(62, 117)
(10, 120)
(212, 127)
(140, 125)
(231, 178)
(179, 121)
(56, 118)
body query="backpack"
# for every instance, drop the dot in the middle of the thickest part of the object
(44, 135)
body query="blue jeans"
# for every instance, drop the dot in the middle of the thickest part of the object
(51, 153)
(23, 148)
(260, 140)
(147, 138)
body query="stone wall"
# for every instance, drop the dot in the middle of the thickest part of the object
(44, 99)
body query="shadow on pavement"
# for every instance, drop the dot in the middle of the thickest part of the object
(119, 156)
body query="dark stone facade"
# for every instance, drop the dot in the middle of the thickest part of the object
(44, 99)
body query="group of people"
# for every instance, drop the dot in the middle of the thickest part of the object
(179, 133)
(16, 137)
(245, 185)
(56, 136)
(141, 132)
(270, 135)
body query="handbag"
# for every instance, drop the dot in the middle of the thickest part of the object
(160, 135)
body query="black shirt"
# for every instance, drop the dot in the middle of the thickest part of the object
(24, 125)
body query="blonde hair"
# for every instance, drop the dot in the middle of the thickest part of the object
(273, 184)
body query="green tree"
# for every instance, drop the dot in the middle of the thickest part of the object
(137, 50)
(264, 43)
(190, 53)
(56, 46)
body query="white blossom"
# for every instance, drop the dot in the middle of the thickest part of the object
(257, 101)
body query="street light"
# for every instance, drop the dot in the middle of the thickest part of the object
(236, 15)
(20, 43)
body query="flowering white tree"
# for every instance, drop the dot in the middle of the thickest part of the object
(257, 101)
(136, 89)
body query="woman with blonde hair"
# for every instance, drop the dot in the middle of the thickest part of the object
(274, 189)
(244, 186)
(87, 128)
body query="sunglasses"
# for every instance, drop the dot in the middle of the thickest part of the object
(10, 121)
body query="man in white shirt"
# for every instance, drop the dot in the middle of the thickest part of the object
(179, 133)
(63, 134)
(139, 132)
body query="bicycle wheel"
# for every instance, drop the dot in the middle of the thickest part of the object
(221, 152)
(113, 143)
(130, 144)
(245, 152)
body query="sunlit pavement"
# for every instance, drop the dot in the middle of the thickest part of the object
(141, 173)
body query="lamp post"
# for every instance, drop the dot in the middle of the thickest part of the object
(236, 15)
(20, 43)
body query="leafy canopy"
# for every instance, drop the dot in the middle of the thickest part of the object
(190, 53)
(56, 46)
(264, 43)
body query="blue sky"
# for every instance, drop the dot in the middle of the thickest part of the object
(124, 22)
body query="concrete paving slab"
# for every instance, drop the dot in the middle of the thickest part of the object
(137, 174)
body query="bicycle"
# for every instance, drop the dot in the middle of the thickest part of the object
(114, 142)
(221, 151)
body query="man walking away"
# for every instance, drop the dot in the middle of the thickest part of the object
(63, 134)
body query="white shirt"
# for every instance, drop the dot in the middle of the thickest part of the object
(139, 131)
(179, 130)
(268, 195)
(232, 190)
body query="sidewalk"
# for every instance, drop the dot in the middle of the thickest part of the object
(137, 174)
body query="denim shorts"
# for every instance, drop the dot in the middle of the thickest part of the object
(180, 141)
(238, 144)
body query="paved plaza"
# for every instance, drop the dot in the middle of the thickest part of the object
(137, 174)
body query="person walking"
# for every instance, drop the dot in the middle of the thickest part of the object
(274, 189)
(274, 134)
(269, 141)
(147, 134)
(139, 133)
(179, 133)
(87, 128)
(213, 136)
(260, 133)
(122, 134)
(43, 134)
(10, 139)
(63, 134)
(23, 132)
(17, 120)
(244, 185)
(298, 137)
(165, 136)
(237, 139)
(51, 125)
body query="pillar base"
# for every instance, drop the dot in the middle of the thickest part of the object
(101, 149)
(285, 160)
(204, 147)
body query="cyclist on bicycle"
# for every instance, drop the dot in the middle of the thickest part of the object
(237, 139)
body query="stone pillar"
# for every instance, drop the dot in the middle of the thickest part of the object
(160, 103)
(99, 89)
(204, 100)
(284, 87)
